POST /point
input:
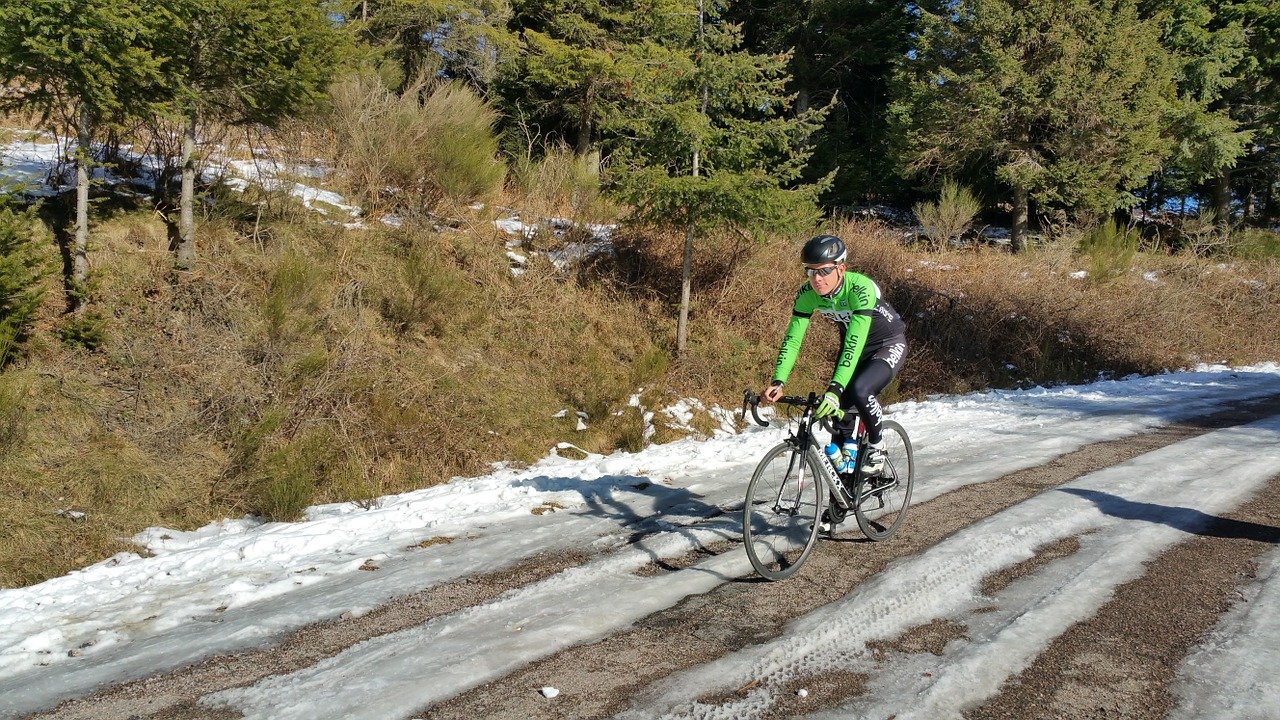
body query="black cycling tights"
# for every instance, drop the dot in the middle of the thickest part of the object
(867, 381)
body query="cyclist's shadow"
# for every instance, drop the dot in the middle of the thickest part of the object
(642, 507)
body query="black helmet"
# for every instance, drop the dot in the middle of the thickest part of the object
(823, 249)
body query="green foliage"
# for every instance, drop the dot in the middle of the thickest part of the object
(947, 218)
(14, 415)
(292, 308)
(427, 151)
(1209, 51)
(86, 329)
(247, 61)
(80, 61)
(1065, 100)
(842, 53)
(24, 262)
(720, 148)
(291, 476)
(575, 76)
(1255, 244)
(429, 294)
(463, 41)
(1110, 249)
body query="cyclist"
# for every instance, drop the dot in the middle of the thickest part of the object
(873, 350)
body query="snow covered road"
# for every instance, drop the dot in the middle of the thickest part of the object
(239, 584)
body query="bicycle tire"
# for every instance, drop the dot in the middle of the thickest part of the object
(780, 515)
(881, 506)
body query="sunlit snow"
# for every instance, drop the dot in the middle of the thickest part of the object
(240, 583)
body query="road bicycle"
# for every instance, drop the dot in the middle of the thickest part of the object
(795, 483)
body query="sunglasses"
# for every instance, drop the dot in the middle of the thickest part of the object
(820, 272)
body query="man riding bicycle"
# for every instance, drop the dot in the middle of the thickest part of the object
(873, 350)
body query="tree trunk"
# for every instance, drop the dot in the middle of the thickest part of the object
(1222, 201)
(1268, 201)
(186, 222)
(686, 283)
(80, 250)
(411, 63)
(1017, 236)
(584, 122)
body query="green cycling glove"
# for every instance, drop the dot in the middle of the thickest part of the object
(830, 405)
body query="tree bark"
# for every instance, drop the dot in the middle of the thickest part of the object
(80, 250)
(1222, 201)
(1017, 236)
(1268, 201)
(584, 122)
(186, 214)
(686, 284)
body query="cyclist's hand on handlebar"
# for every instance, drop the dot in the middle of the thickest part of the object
(773, 392)
(830, 405)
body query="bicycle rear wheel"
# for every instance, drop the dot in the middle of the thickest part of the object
(780, 517)
(881, 500)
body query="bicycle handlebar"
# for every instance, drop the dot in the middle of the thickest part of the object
(752, 400)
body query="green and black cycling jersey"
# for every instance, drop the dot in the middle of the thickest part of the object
(866, 322)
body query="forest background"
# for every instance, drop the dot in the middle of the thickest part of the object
(1047, 191)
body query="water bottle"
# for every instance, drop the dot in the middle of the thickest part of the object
(850, 456)
(833, 454)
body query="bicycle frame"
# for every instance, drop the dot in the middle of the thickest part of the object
(803, 440)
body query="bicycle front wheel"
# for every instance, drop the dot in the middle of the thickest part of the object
(880, 501)
(780, 517)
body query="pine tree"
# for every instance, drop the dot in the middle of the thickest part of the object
(1253, 102)
(574, 76)
(239, 62)
(843, 54)
(1209, 51)
(83, 65)
(712, 144)
(449, 39)
(1065, 102)
(23, 263)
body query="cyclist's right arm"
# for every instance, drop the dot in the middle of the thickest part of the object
(806, 302)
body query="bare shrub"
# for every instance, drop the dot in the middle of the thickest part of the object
(409, 153)
(1201, 234)
(556, 182)
(947, 218)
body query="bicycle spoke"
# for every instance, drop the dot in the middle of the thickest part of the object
(781, 511)
(883, 500)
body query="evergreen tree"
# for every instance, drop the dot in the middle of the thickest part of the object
(449, 39)
(711, 144)
(1209, 50)
(83, 65)
(844, 53)
(23, 263)
(1254, 103)
(240, 62)
(574, 75)
(1066, 102)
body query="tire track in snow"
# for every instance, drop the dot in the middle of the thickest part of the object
(1134, 512)
(1121, 662)
(174, 694)
(877, 553)
(597, 679)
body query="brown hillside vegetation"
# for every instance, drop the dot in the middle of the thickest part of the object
(305, 363)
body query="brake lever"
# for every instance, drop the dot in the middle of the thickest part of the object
(752, 400)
